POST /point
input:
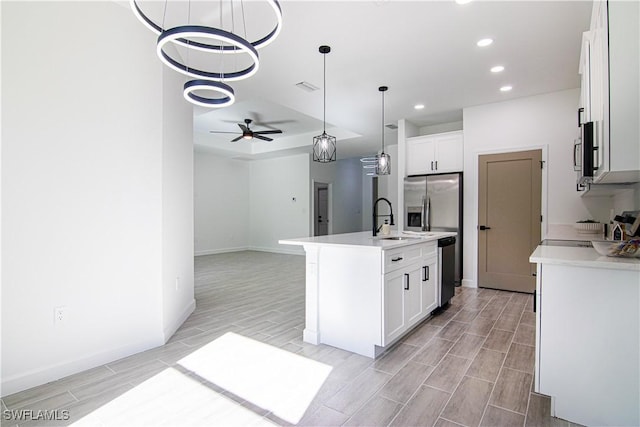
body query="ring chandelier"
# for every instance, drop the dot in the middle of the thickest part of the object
(222, 42)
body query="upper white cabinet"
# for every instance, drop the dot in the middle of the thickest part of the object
(610, 71)
(439, 153)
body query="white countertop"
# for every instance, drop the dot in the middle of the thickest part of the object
(581, 257)
(364, 239)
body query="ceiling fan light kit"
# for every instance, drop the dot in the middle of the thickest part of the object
(324, 146)
(383, 164)
(222, 42)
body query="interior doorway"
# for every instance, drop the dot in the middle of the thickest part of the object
(509, 219)
(320, 209)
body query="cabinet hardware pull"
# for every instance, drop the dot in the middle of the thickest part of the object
(425, 273)
(406, 281)
(396, 259)
(580, 110)
(431, 165)
(436, 165)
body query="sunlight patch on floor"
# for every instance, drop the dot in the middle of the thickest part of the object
(172, 398)
(271, 378)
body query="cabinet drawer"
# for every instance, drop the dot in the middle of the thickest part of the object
(397, 258)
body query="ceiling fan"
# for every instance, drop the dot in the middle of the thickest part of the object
(247, 133)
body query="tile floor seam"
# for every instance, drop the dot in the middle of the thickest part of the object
(496, 381)
(511, 410)
(453, 422)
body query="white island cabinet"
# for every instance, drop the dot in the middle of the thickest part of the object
(364, 293)
(588, 335)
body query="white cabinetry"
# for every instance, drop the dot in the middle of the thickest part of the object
(409, 288)
(587, 343)
(610, 96)
(439, 153)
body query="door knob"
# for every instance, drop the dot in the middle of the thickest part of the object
(484, 227)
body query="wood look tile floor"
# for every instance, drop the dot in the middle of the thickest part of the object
(469, 365)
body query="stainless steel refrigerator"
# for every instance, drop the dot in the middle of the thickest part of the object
(434, 203)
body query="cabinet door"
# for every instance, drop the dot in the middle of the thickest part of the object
(430, 285)
(393, 306)
(413, 295)
(449, 152)
(421, 155)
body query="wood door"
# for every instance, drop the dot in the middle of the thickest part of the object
(509, 217)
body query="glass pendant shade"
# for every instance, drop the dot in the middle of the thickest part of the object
(324, 148)
(383, 164)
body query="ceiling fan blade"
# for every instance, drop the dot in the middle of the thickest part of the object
(220, 131)
(275, 122)
(237, 139)
(243, 127)
(264, 138)
(264, 132)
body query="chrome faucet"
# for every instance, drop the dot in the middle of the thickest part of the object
(376, 216)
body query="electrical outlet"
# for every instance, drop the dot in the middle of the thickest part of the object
(59, 314)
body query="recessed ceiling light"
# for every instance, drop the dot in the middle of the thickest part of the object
(463, 1)
(505, 88)
(497, 69)
(484, 42)
(418, 106)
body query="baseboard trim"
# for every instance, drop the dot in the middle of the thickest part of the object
(171, 329)
(221, 251)
(466, 283)
(293, 251)
(36, 377)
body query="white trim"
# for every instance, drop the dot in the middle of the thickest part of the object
(466, 283)
(36, 377)
(297, 250)
(221, 251)
(476, 177)
(171, 329)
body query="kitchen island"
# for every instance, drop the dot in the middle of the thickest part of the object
(363, 293)
(588, 335)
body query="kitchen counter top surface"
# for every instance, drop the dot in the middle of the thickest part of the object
(364, 239)
(582, 257)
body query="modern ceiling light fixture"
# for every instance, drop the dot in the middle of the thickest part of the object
(259, 43)
(383, 165)
(419, 106)
(207, 40)
(506, 88)
(197, 31)
(484, 42)
(324, 146)
(497, 69)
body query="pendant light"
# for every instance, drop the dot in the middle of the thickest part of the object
(383, 164)
(324, 146)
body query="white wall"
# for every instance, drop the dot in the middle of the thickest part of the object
(84, 191)
(221, 203)
(177, 205)
(274, 215)
(539, 121)
(346, 178)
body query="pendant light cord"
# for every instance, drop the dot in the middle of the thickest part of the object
(382, 122)
(324, 91)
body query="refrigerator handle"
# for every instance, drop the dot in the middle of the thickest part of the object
(422, 213)
(427, 220)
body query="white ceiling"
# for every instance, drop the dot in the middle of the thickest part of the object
(425, 51)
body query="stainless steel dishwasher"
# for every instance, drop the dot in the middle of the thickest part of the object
(447, 257)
